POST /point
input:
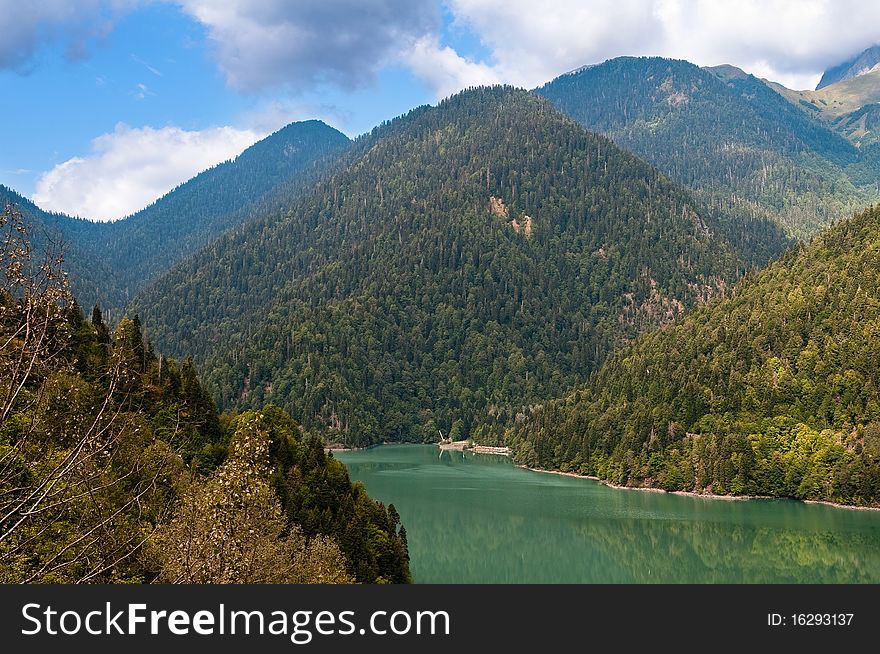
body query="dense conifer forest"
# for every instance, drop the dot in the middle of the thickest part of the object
(726, 135)
(483, 252)
(773, 390)
(110, 262)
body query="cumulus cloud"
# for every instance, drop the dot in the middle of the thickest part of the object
(262, 44)
(533, 42)
(788, 41)
(444, 69)
(791, 41)
(26, 26)
(266, 43)
(130, 167)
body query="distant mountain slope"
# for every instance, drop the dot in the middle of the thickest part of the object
(722, 133)
(135, 250)
(774, 390)
(90, 277)
(483, 252)
(196, 212)
(864, 62)
(850, 106)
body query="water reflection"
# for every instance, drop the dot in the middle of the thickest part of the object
(479, 519)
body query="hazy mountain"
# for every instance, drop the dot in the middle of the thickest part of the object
(862, 63)
(91, 277)
(195, 213)
(485, 251)
(850, 106)
(131, 252)
(725, 134)
(774, 390)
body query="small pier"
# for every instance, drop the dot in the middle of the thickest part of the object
(468, 446)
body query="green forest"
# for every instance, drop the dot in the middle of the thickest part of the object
(726, 135)
(115, 466)
(483, 252)
(703, 320)
(110, 262)
(772, 390)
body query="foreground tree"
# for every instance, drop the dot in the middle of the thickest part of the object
(78, 468)
(231, 528)
(116, 468)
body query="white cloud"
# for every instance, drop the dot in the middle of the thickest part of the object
(444, 69)
(787, 41)
(129, 168)
(26, 26)
(147, 65)
(791, 41)
(261, 44)
(533, 42)
(264, 43)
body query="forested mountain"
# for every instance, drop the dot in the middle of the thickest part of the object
(50, 235)
(115, 466)
(485, 251)
(774, 390)
(724, 134)
(258, 181)
(131, 252)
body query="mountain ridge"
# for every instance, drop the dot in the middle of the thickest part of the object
(723, 134)
(772, 390)
(862, 63)
(136, 249)
(409, 271)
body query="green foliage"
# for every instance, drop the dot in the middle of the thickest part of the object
(84, 479)
(317, 495)
(772, 391)
(159, 440)
(231, 528)
(115, 466)
(728, 136)
(482, 253)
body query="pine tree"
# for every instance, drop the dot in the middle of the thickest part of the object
(98, 323)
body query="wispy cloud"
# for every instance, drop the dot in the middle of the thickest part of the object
(141, 91)
(147, 65)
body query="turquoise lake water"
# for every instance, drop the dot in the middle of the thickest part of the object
(473, 518)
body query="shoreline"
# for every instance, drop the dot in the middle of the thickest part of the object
(497, 451)
(331, 447)
(708, 496)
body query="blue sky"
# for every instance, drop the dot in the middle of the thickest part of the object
(111, 103)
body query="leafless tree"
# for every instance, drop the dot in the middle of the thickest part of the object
(73, 494)
(230, 528)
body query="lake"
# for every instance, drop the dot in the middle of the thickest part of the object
(476, 518)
